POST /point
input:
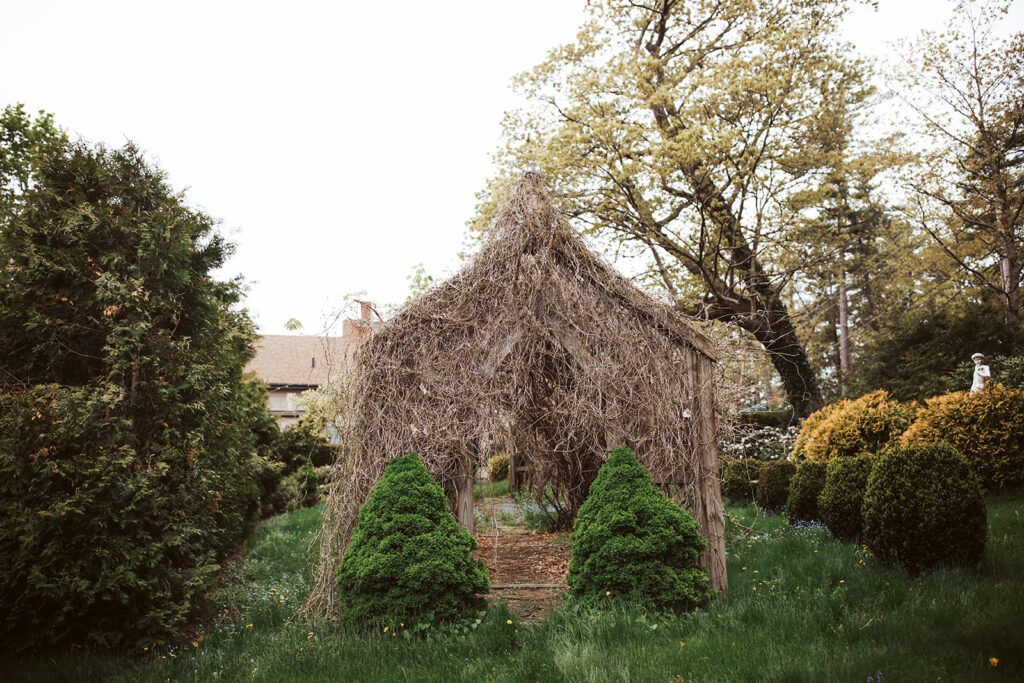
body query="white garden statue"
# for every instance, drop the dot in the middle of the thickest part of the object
(981, 373)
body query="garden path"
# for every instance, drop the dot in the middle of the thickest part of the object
(527, 568)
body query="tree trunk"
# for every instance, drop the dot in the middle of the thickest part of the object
(844, 334)
(1010, 276)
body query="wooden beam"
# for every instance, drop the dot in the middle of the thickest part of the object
(710, 513)
(464, 493)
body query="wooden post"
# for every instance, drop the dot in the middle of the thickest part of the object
(464, 494)
(710, 513)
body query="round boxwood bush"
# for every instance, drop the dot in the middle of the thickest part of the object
(409, 560)
(866, 425)
(842, 498)
(773, 485)
(804, 488)
(631, 543)
(740, 479)
(985, 427)
(923, 508)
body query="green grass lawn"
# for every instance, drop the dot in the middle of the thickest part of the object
(802, 607)
(491, 489)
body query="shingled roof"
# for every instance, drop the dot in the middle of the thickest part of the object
(299, 360)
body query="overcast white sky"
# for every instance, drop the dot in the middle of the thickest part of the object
(341, 143)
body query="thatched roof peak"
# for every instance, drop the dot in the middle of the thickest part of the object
(529, 230)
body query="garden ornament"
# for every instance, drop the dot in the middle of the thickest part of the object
(981, 373)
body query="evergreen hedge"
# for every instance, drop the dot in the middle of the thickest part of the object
(923, 508)
(631, 543)
(409, 561)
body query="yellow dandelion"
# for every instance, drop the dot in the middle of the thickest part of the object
(144, 649)
(743, 569)
(607, 592)
(393, 634)
(755, 587)
(842, 580)
(195, 644)
(509, 621)
(385, 629)
(755, 571)
(248, 625)
(993, 661)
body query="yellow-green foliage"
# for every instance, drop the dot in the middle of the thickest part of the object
(498, 467)
(847, 428)
(987, 428)
(810, 425)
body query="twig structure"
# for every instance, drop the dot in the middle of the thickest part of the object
(539, 345)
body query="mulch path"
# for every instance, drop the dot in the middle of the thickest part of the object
(519, 556)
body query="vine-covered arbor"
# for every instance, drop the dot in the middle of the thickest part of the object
(539, 346)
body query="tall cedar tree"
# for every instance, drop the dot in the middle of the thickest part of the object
(126, 457)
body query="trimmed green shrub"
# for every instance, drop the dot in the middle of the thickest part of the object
(841, 500)
(985, 427)
(810, 425)
(300, 444)
(498, 467)
(409, 561)
(773, 485)
(631, 543)
(866, 425)
(780, 418)
(740, 480)
(129, 458)
(923, 508)
(804, 488)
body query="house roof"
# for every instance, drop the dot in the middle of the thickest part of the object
(299, 360)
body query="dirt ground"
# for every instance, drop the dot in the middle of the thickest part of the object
(527, 568)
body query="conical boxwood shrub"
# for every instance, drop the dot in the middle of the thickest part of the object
(632, 543)
(409, 561)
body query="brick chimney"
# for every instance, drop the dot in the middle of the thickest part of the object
(359, 328)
